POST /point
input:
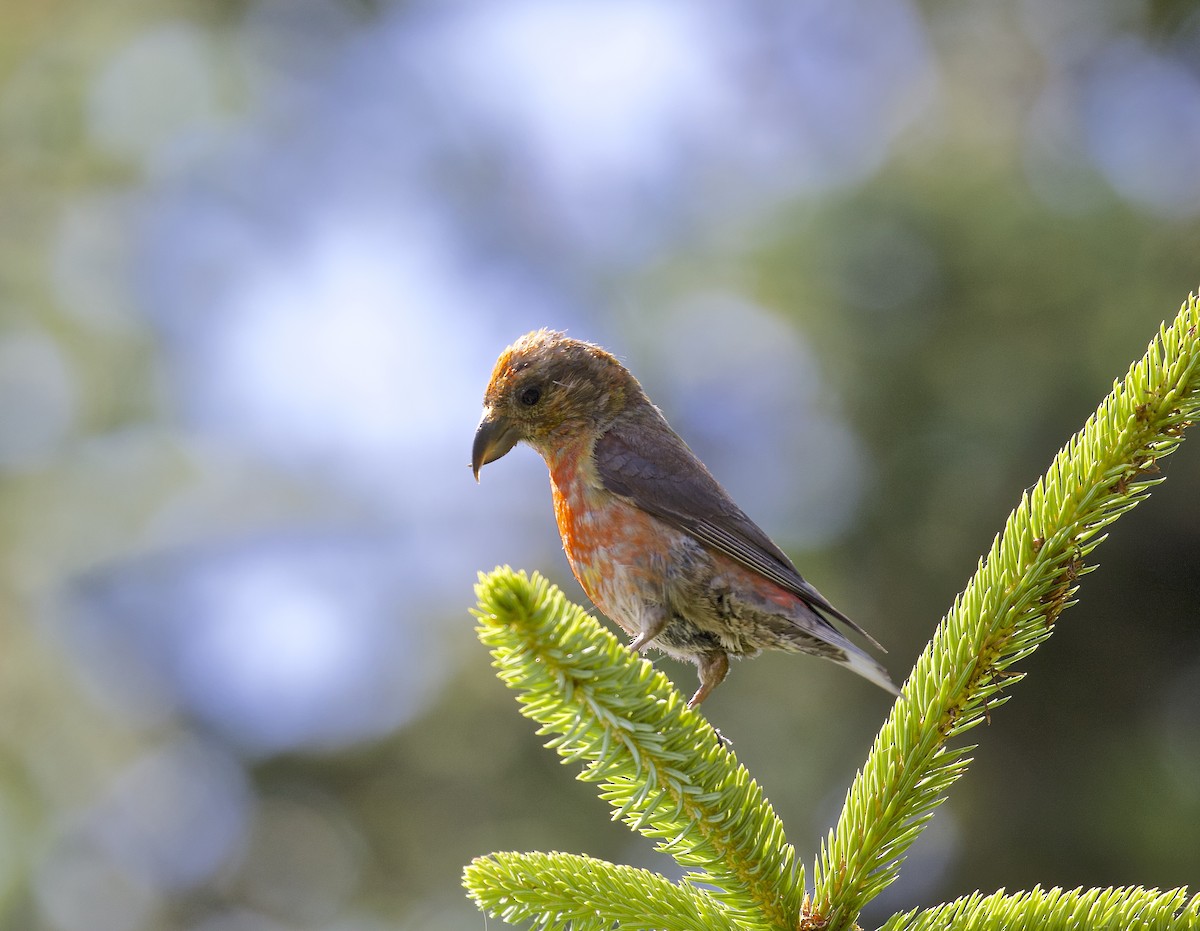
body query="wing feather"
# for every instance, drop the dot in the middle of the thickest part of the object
(651, 466)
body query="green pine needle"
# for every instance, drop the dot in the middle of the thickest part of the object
(556, 891)
(659, 764)
(1007, 610)
(1121, 909)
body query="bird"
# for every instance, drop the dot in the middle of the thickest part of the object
(654, 540)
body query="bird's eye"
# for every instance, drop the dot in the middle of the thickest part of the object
(530, 396)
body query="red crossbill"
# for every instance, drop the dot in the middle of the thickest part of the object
(653, 538)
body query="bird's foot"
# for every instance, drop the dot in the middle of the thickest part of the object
(640, 643)
(649, 632)
(713, 667)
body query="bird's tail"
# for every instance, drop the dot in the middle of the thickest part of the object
(858, 661)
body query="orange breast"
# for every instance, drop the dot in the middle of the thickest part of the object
(614, 548)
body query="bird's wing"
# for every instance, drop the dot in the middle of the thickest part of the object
(651, 466)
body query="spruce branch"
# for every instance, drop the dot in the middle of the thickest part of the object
(1127, 908)
(1008, 608)
(561, 890)
(660, 765)
(666, 773)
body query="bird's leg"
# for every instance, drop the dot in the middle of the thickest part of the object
(653, 624)
(713, 668)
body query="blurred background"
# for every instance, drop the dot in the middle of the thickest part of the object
(875, 259)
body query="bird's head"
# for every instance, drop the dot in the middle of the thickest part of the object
(547, 388)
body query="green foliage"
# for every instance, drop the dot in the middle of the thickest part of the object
(587, 894)
(660, 765)
(1125, 908)
(1007, 609)
(667, 775)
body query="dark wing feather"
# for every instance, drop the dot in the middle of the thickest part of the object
(651, 466)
